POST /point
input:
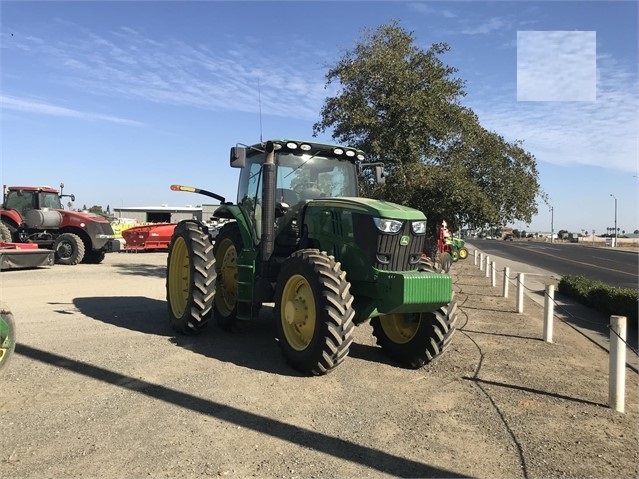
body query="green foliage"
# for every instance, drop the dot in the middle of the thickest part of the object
(602, 297)
(401, 105)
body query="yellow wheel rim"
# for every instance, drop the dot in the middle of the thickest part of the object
(463, 253)
(298, 314)
(226, 289)
(179, 276)
(400, 328)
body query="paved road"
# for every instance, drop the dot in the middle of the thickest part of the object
(612, 266)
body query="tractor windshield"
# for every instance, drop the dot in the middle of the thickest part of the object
(307, 177)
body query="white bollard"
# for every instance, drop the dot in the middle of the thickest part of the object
(487, 266)
(506, 273)
(617, 365)
(549, 308)
(481, 261)
(475, 251)
(520, 292)
(492, 281)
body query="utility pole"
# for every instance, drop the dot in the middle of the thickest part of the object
(552, 225)
(615, 218)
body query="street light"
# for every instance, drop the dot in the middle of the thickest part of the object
(552, 227)
(615, 217)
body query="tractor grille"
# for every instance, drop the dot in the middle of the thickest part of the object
(385, 251)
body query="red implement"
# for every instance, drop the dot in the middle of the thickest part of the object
(148, 237)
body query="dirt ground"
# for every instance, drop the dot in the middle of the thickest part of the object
(100, 387)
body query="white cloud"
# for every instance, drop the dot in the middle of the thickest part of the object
(602, 133)
(31, 106)
(129, 65)
(556, 66)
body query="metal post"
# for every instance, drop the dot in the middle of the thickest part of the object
(617, 365)
(520, 292)
(487, 266)
(549, 306)
(492, 282)
(475, 253)
(552, 225)
(481, 261)
(506, 273)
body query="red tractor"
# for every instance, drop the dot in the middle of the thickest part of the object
(34, 214)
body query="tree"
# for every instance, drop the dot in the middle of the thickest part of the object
(96, 209)
(401, 105)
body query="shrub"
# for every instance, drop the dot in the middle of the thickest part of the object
(602, 297)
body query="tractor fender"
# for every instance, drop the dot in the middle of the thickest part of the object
(235, 212)
(11, 217)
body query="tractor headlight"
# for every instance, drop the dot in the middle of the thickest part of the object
(419, 227)
(387, 226)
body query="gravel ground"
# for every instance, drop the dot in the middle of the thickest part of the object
(100, 386)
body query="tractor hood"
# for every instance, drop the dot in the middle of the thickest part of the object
(79, 217)
(368, 206)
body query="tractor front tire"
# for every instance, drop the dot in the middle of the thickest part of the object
(463, 253)
(313, 312)
(94, 257)
(416, 339)
(7, 336)
(190, 277)
(69, 249)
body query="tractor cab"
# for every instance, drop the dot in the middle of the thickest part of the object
(302, 172)
(24, 199)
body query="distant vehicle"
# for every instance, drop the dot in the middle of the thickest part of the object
(508, 237)
(34, 215)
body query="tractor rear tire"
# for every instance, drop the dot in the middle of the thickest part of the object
(228, 245)
(313, 312)
(7, 336)
(69, 249)
(416, 339)
(5, 234)
(454, 254)
(463, 253)
(190, 277)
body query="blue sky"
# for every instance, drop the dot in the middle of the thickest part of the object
(121, 99)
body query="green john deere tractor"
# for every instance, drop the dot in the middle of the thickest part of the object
(7, 335)
(301, 238)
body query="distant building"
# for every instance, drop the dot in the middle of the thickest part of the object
(165, 213)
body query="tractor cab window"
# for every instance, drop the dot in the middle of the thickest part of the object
(50, 200)
(21, 201)
(307, 177)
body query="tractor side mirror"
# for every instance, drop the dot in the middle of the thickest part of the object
(72, 197)
(238, 157)
(380, 174)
